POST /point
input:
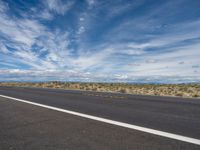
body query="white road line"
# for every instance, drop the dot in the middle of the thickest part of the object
(121, 124)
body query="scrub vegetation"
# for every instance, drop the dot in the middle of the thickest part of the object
(181, 90)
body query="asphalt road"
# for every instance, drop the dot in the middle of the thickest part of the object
(24, 126)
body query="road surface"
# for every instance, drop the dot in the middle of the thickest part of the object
(26, 126)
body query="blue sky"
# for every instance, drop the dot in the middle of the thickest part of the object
(100, 41)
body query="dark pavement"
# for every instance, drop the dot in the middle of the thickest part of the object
(24, 126)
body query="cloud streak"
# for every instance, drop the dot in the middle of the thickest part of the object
(58, 6)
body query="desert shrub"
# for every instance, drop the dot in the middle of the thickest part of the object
(87, 88)
(183, 90)
(196, 95)
(179, 94)
(124, 90)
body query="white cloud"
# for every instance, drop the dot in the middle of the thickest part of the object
(47, 53)
(81, 19)
(9, 64)
(90, 59)
(151, 61)
(119, 9)
(90, 2)
(60, 75)
(23, 31)
(168, 63)
(45, 14)
(58, 6)
(81, 30)
(3, 6)
(3, 48)
(41, 75)
(24, 34)
(130, 51)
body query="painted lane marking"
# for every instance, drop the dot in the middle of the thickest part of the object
(117, 123)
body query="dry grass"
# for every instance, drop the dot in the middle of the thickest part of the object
(181, 90)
